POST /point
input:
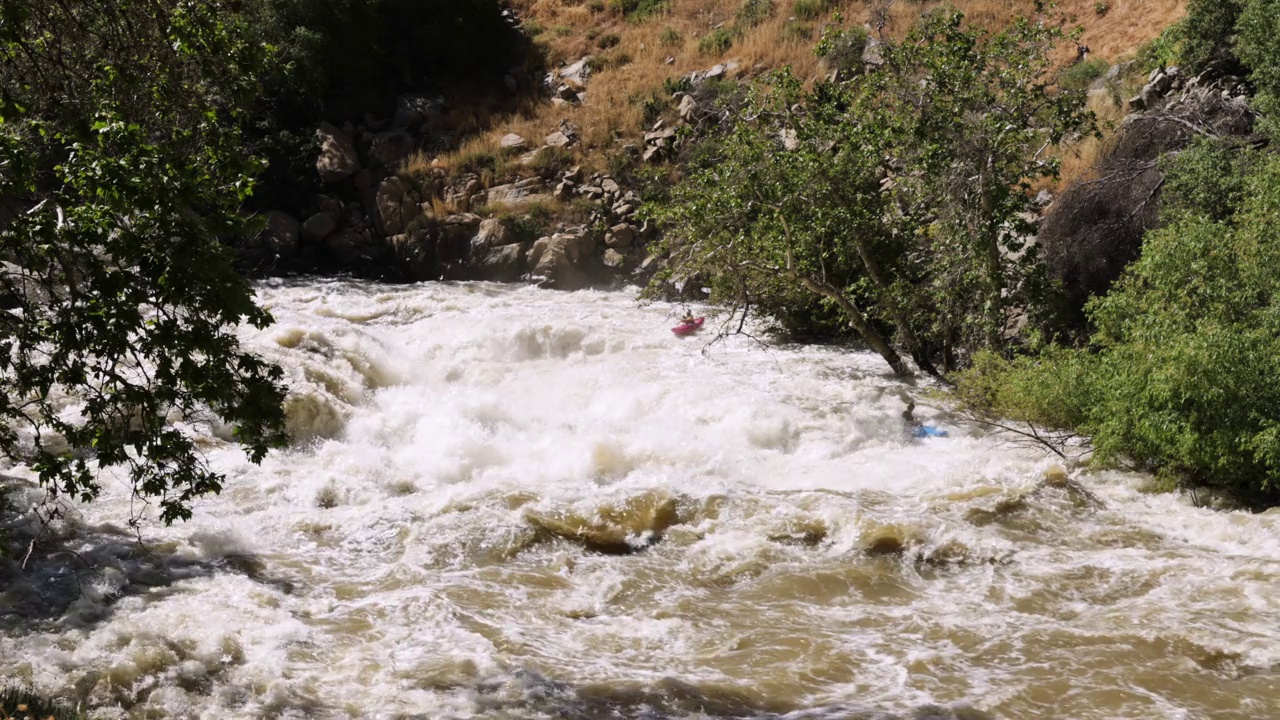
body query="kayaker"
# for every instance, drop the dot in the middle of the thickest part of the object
(688, 319)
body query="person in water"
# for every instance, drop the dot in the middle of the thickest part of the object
(917, 429)
(688, 319)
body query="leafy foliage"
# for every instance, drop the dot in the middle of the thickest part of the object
(121, 166)
(1181, 376)
(897, 196)
(1258, 46)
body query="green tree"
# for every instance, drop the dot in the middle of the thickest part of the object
(121, 168)
(1183, 374)
(898, 196)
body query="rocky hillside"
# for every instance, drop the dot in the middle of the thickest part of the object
(442, 191)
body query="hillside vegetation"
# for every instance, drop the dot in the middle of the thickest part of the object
(638, 45)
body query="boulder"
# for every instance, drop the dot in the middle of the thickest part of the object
(349, 247)
(610, 185)
(503, 264)
(613, 259)
(389, 148)
(512, 141)
(558, 140)
(337, 159)
(620, 236)
(562, 260)
(396, 206)
(688, 107)
(495, 232)
(460, 228)
(281, 234)
(318, 226)
(412, 252)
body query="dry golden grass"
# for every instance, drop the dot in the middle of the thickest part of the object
(613, 111)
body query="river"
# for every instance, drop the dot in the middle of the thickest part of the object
(504, 502)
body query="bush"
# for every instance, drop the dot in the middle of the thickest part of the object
(810, 9)
(1258, 45)
(637, 9)
(754, 12)
(669, 38)
(610, 40)
(1181, 376)
(797, 32)
(842, 49)
(716, 42)
(1081, 75)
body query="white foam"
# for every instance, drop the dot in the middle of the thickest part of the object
(395, 564)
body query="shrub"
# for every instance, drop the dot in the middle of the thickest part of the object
(810, 9)
(716, 42)
(1101, 7)
(610, 40)
(549, 161)
(1258, 45)
(669, 37)
(796, 32)
(637, 9)
(842, 49)
(754, 12)
(1181, 375)
(1081, 75)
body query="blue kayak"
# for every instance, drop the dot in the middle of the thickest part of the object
(928, 431)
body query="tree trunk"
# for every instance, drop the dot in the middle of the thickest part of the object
(857, 321)
(914, 346)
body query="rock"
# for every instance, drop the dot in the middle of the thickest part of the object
(609, 185)
(579, 72)
(653, 153)
(337, 159)
(659, 136)
(620, 236)
(281, 234)
(558, 140)
(395, 207)
(363, 180)
(349, 247)
(573, 174)
(560, 260)
(413, 253)
(415, 109)
(504, 264)
(318, 226)
(789, 139)
(624, 210)
(717, 71)
(1137, 103)
(461, 228)
(495, 232)
(873, 52)
(512, 141)
(389, 148)
(688, 106)
(613, 259)
(563, 191)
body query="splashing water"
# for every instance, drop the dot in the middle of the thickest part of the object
(510, 503)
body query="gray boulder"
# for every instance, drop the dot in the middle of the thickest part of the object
(620, 236)
(503, 264)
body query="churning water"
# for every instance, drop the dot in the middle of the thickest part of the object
(510, 503)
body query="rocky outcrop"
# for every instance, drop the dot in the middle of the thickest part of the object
(337, 159)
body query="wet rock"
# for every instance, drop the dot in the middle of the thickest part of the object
(350, 247)
(622, 529)
(561, 260)
(504, 264)
(613, 259)
(460, 228)
(337, 159)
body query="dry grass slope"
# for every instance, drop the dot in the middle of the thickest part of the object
(635, 55)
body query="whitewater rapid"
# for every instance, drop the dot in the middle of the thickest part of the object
(503, 502)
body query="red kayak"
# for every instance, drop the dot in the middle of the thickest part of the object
(688, 328)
